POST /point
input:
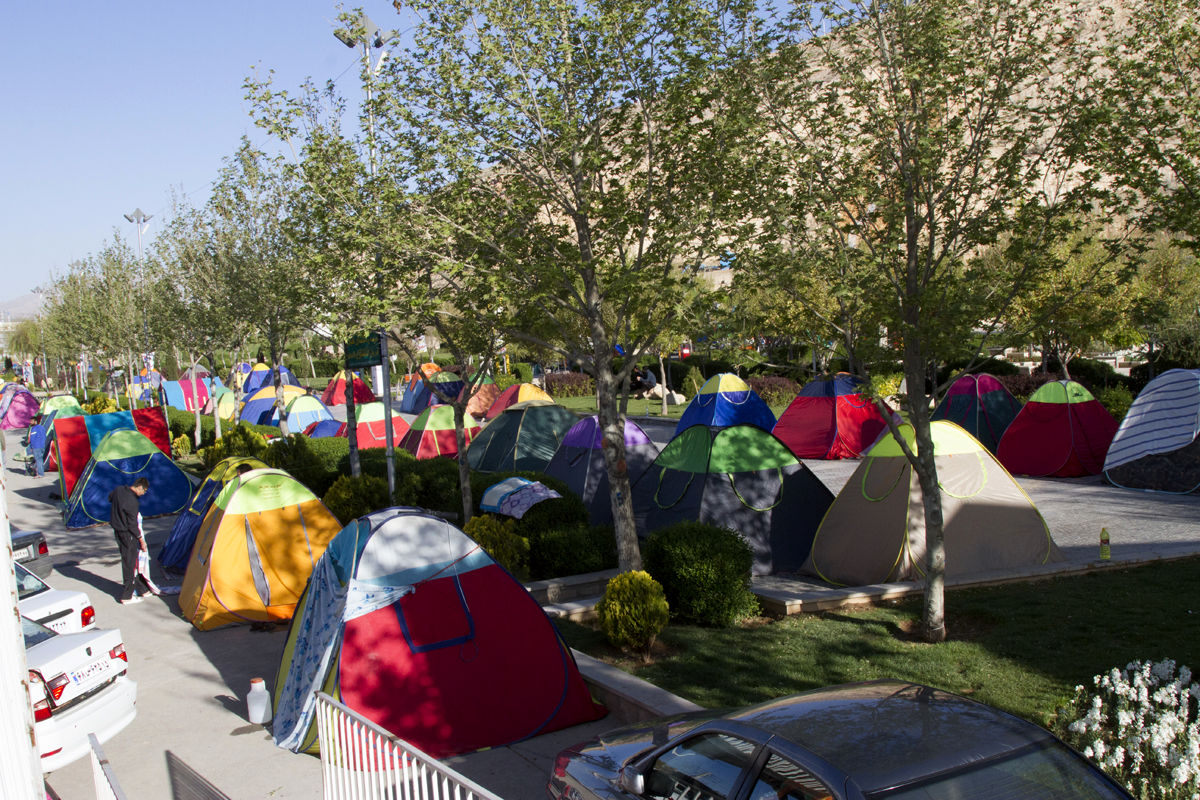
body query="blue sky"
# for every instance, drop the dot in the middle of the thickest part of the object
(108, 107)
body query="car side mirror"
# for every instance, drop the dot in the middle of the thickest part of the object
(631, 780)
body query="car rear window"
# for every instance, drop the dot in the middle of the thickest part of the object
(28, 584)
(35, 633)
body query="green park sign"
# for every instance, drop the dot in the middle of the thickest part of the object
(364, 350)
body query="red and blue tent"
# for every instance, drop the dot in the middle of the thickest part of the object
(411, 624)
(76, 437)
(726, 400)
(423, 395)
(1063, 431)
(980, 405)
(830, 419)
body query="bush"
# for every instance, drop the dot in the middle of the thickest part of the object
(633, 611)
(693, 379)
(181, 445)
(350, 498)
(504, 380)
(1117, 399)
(239, 440)
(775, 391)
(523, 371)
(569, 384)
(313, 462)
(705, 572)
(500, 539)
(1095, 375)
(438, 482)
(555, 552)
(1140, 726)
(101, 404)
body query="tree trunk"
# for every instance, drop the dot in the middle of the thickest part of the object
(197, 409)
(662, 370)
(216, 412)
(464, 468)
(351, 427)
(277, 372)
(612, 426)
(129, 390)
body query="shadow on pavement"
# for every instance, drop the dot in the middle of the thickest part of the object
(187, 784)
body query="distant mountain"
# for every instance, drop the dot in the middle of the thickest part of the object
(24, 307)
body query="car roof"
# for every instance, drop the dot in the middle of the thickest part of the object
(886, 733)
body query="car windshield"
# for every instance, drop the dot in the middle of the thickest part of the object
(1047, 772)
(28, 584)
(35, 633)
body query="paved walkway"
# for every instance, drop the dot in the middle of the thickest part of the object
(192, 685)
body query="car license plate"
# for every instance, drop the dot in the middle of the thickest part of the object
(23, 553)
(97, 667)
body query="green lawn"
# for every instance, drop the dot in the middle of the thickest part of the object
(1020, 647)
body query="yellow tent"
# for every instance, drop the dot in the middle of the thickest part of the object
(255, 551)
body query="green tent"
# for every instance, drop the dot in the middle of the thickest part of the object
(524, 436)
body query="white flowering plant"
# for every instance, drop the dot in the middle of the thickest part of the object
(1140, 726)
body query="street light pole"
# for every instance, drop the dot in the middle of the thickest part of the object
(374, 37)
(141, 221)
(40, 291)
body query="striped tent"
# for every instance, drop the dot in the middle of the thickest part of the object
(335, 390)
(372, 425)
(260, 409)
(303, 410)
(1157, 447)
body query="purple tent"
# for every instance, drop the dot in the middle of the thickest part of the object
(18, 407)
(579, 463)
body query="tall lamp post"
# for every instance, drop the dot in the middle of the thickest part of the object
(40, 291)
(141, 221)
(374, 37)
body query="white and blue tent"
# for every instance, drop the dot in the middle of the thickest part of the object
(1156, 447)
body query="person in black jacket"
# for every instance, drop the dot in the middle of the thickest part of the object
(127, 525)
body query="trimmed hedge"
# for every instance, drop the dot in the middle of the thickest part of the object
(774, 391)
(350, 498)
(569, 384)
(571, 550)
(705, 572)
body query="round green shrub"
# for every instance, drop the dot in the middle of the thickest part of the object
(300, 457)
(100, 404)
(500, 539)
(561, 550)
(239, 440)
(633, 611)
(705, 572)
(181, 445)
(349, 498)
(693, 379)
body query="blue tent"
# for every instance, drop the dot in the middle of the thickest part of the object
(323, 428)
(261, 375)
(120, 459)
(303, 411)
(260, 407)
(421, 397)
(726, 400)
(178, 548)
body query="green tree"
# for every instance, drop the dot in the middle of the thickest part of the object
(573, 149)
(909, 136)
(257, 251)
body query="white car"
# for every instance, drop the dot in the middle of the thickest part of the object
(78, 685)
(60, 610)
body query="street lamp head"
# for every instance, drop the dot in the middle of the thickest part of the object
(138, 216)
(345, 38)
(372, 33)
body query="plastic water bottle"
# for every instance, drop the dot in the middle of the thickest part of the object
(258, 702)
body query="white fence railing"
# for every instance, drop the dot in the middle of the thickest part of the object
(105, 780)
(361, 761)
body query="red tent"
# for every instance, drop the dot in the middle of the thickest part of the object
(335, 392)
(432, 433)
(1062, 431)
(829, 419)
